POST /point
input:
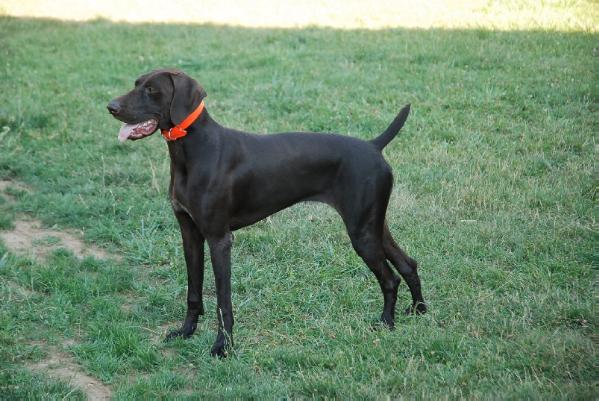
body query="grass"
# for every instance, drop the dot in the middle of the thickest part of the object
(494, 196)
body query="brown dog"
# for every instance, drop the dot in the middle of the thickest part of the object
(223, 179)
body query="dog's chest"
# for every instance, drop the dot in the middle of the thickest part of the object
(178, 206)
(178, 196)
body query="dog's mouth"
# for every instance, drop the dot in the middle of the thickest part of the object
(137, 131)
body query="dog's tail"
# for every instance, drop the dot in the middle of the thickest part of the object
(382, 140)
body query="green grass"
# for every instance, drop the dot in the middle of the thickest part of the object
(494, 196)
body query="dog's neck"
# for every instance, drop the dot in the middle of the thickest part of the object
(180, 130)
(200, 137)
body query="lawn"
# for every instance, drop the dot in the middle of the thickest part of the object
(495, 185)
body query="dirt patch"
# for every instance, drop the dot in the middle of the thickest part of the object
(160, 333)
(28, 237)
(6, 185)
(62, 367)
(15, 289)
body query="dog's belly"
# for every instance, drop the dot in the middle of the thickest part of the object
(245, 219)
(261, 207)
(260, 194)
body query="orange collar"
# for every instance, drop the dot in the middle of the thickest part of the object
(179, 131)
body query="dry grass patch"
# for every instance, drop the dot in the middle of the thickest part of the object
(61, 366)
(29, 238)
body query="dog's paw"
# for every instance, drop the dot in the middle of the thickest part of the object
(382, 324)
(219, 351)
(418, 309)
(387, 321)
(221, 347)
(184, 333)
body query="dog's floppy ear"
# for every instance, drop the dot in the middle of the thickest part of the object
(187, 95)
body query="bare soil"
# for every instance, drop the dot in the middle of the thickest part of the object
(61, 366)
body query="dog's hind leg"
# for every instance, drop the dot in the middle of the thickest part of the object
(407, 268)
(368, 245)
(364, 223)
(363, 211)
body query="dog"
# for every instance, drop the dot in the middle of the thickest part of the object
(223, 179)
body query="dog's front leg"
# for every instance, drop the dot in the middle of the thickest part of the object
(193, 248)
(220, 254)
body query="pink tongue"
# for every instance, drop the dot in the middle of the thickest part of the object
(126, 131)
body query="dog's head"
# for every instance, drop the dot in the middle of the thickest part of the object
(160, 99)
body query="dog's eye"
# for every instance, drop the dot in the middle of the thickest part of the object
(150, 90)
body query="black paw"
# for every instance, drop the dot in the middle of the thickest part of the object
(388, 322)
(183, 332)
(221, 348)
(219, 351)
(383, 323)
(417, 309)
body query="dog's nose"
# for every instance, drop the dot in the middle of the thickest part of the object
(114, 107)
